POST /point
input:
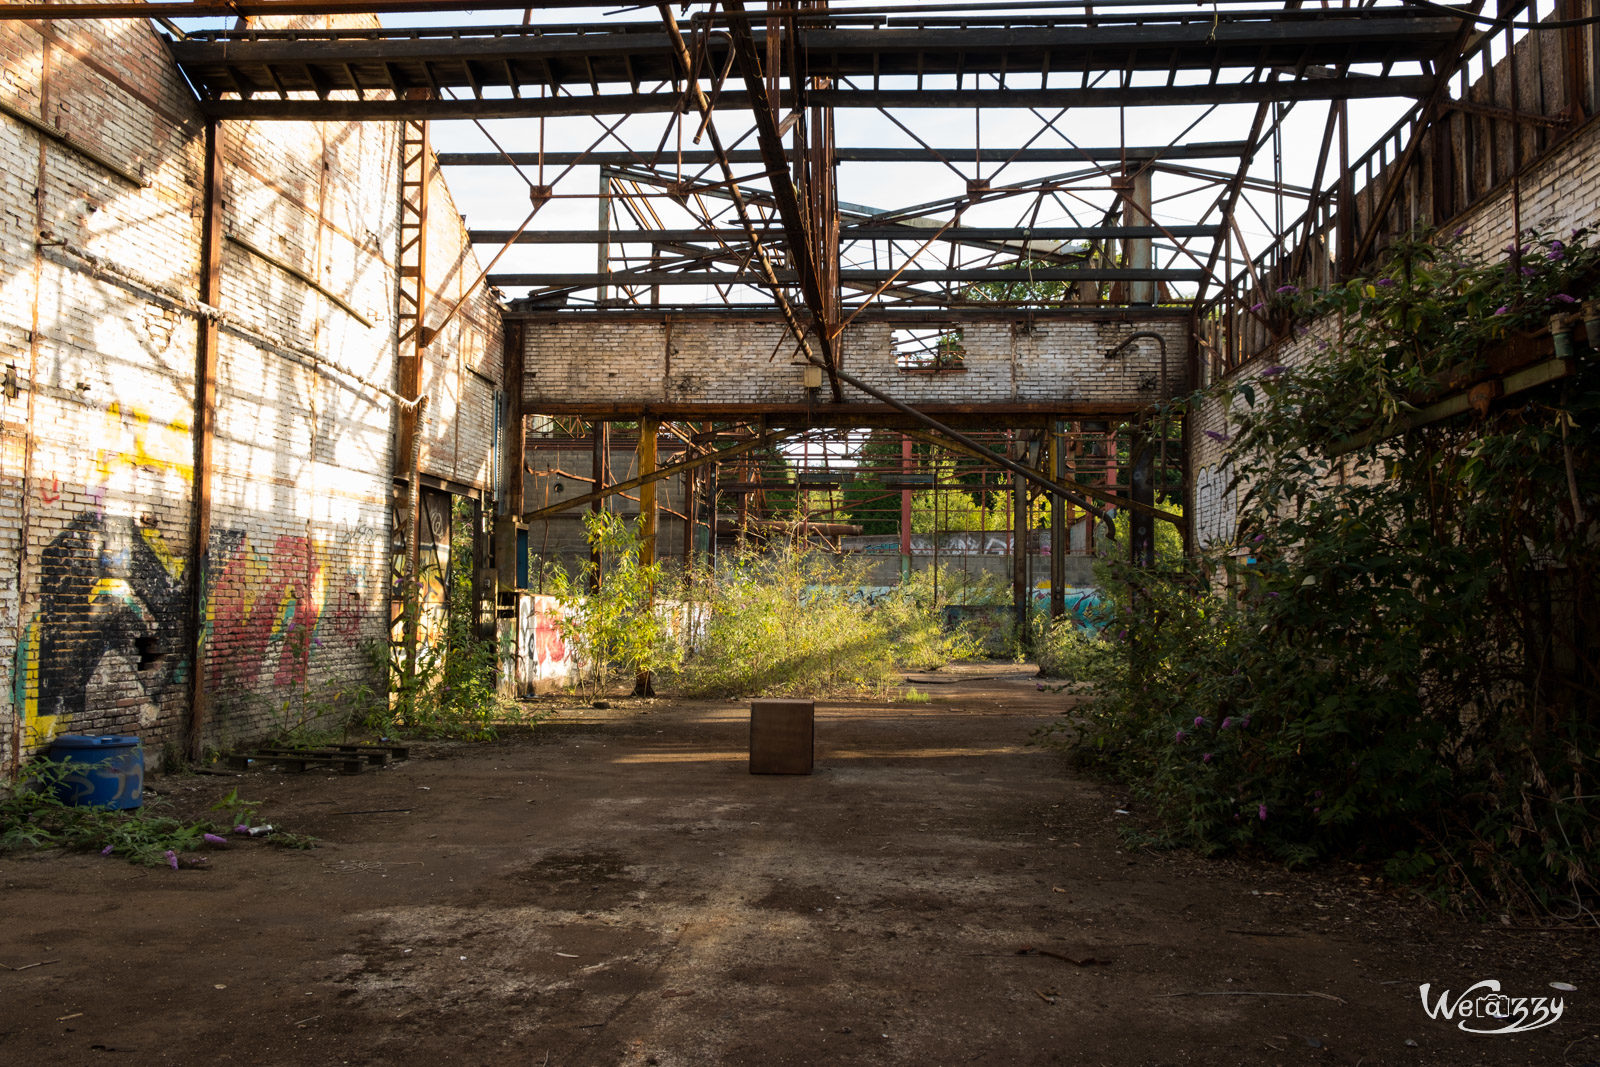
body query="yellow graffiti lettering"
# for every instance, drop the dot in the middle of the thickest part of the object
(158, 545)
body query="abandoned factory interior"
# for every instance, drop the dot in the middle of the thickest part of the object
(800, 532)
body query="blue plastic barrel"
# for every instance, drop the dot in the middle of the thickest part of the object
(112, 774)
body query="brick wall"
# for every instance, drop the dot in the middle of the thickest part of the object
(633, 363)
(1558, 194)
(98, 320)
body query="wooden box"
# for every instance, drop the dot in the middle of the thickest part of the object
(782, 736)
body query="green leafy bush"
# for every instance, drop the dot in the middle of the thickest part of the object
(1400, 663)
(454, 690)
(795, 620)
(627, 623)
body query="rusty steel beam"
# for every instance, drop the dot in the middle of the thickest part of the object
(186, 9)
(963, 235)
(212, 228)
(865, 154)
(670, 470)
(799, 230)
(973, 275)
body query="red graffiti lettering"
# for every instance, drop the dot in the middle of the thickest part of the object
(282, 610)
(548, 646)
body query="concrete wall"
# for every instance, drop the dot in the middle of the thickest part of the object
(98, 322)
(583, 363)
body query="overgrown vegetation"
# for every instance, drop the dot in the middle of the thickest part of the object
(454, 690)
(774, 617)
(618, 625)
(33, 816)
(1401, 662)
(792, 619)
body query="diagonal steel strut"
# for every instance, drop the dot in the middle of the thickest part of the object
(795, 224)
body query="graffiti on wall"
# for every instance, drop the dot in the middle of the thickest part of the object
(111, 628)
(111, 613)
(544, 660)
(1216, 514)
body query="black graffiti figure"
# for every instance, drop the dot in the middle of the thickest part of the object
(104, 590)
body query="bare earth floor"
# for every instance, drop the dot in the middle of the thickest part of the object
(625, 892)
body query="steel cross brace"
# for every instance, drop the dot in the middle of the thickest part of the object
(795, 227)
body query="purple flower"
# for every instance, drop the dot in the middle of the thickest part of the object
(1273, 595)
(1557, 246)
(107, 850)
(1564, 298)
(1180, 737)
(1270, 371)
(1261, 812)
(1553, 256)
(1257, 306)
(1226, 723)
(1206, 758)
(1317, 793)
(213, 839)
(1199, 721)
(1245, 722)
(172, 859)
(1288, 289)
(1316, 811)
(1502, 309)
(1220, 438)
(1385, 282)
(1258, 538)
(1528, 272)
(241, 829)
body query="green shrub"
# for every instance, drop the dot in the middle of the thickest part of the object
(626, 624)
(1400, 661)
(795, 620)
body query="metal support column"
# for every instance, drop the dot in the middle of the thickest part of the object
(1141, 525)
(599, 470)
(1019, 555)
(205, 418)
(905, 510)
(649, 429)
(1058, 529)
(404, 605)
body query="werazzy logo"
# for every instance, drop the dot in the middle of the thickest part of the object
(1483, 1009)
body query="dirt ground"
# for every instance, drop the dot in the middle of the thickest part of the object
(616, 888)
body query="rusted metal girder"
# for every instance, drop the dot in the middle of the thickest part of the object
(205, 420)
(761, 440)
(759, 251)
(695, 157)
(802, 236)
(185, 9)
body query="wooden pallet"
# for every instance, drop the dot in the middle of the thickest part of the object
(346, 759)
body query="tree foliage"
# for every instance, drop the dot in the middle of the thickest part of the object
(1401, 663)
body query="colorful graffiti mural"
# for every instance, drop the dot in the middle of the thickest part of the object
(113, 613)
(543, 660)
(111, 605)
